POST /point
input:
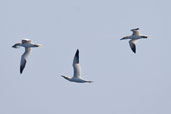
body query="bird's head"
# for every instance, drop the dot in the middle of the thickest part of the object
(135, 29)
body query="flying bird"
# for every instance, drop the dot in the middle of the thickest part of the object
(133, 38)
(77, 73)
(27, 44)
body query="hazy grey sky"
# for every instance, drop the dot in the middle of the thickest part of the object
(124, 82)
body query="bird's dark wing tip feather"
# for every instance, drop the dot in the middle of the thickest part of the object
(134, 51)
(77, 55)
(133, 47)
(14, 46)
(77, 52)
(22, 67)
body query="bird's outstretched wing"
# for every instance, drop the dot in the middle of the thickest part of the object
(23, 59)
(132, 45)
(76, 64)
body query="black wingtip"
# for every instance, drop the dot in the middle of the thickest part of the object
(133, 48)
(22, 66)
(145, 36)
(77, 56)
(14, 46)
(21, 70)
(77, 53)
(134, 51)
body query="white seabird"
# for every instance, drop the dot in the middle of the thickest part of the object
(26, 43)
(133, 38)
(77, 73)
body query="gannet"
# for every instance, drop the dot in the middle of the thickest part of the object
(133, 38)
(77, 74)
(27, 44)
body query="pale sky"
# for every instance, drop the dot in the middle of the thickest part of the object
(124, 82)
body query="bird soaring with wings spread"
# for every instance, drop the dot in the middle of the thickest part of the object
(133, 38)
(27, 44)
(77, 73)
